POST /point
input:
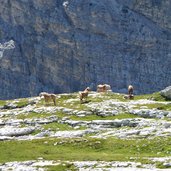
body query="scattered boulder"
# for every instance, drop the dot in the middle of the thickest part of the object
(14, 131)
(166, 93)
(72, 134)
(9, 106)
(150, 113)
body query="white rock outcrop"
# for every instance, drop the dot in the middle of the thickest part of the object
(166, 92)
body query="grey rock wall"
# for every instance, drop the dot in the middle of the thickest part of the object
(65, 46)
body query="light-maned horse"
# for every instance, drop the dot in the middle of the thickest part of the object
(130, 93)
(103, 88)
(130, 90)
(48, 97)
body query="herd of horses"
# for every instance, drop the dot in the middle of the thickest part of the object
(84, 94)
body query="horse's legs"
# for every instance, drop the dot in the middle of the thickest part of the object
(47, 99)
(54, 100)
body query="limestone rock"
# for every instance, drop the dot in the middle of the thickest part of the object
(72, 134)
(14, 131)
(166, 92)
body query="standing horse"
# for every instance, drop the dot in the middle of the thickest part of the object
(48, 97)
(130, 93)
(84, 94)
(103, 88)
(130, 89)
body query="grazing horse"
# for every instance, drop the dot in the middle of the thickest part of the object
(84, 94)
(130, 93)
(103, 88)
(130, 89)
(48, 97)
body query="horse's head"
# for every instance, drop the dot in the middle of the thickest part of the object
(42, 94)
(88, 89)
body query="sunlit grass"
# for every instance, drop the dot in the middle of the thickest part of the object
(2, 102)
(22, 102)
(111, 149)
(155, 96)
(32, 115)
(156, 105)
(55, 126)
(96, 117)
(62, 167)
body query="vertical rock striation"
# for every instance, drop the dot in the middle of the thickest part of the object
(65, 46)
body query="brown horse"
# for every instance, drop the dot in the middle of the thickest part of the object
(130, 93)
(130, 89)
(48, 97)
(84, 94)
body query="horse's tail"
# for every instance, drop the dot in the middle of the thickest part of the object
(54, 98)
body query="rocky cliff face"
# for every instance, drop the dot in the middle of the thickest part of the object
(64, 46)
